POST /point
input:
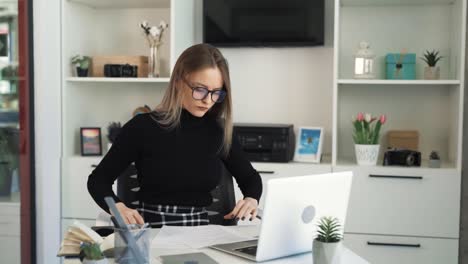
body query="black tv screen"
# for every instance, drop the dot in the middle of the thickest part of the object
(263, 22)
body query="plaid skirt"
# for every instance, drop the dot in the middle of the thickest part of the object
(158, 215)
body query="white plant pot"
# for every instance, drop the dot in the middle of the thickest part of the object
(432, 73)
(102, 261)
(434, 163)
(326, 253)
(366, 154)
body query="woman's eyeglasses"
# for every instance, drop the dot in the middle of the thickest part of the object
(200, 93)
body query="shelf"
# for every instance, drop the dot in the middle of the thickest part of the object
(12, 199)
(424, 165)
(395, 2)
(120, 4)
(116, 80)
(399, 82)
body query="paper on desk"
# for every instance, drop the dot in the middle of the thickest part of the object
(195, 236)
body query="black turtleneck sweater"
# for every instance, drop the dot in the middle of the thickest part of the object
(175, 167)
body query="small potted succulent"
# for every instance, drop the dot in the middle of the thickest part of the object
(82, 65)
(431, 71)
(113, 130)
(434, 160)
(327, 245)
(90, 253)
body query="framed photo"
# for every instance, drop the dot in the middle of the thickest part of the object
(309, 144)
(91, 144)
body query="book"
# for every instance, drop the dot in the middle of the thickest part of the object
(77, 233)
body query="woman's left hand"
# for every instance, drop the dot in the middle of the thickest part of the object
(244, 209)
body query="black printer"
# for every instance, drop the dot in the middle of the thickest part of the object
(266, 142)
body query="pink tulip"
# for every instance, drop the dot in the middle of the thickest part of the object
(383, 119)
(360, 117)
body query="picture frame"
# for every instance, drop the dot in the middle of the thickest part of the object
(309, 143)
(91, 143)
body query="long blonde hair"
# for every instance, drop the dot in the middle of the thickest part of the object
(195, 58)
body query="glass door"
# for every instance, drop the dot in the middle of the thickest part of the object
(16, 198)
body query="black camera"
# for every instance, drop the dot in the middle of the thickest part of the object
(120, 70)
(403, 157)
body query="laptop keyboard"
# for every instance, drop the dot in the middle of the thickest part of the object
(252, 250)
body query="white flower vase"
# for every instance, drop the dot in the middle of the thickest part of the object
(326, 253)
(366, 154)
(102, 261)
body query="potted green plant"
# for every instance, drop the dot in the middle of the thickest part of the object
(113, 130)
(82, 64)
(327, 245)
(434, 160)
(90, 253)
(431, 71)
(366, 137)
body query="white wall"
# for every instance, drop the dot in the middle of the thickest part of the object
(283, 85)
(47, 127)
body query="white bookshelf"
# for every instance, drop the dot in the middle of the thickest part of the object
(111, 27)
(391, 26)
(394, 204)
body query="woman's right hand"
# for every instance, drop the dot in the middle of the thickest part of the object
(130, 216)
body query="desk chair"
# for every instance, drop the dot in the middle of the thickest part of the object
(223, 197)
(128, 187)
(127, 191)
(224, 200)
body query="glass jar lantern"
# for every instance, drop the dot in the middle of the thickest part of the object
(364, 62)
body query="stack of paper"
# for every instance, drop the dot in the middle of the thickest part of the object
(195, 237)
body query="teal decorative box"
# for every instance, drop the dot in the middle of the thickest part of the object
(401, 66)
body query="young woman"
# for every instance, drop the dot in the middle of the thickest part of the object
(178, 149)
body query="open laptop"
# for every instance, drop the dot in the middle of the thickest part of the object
(293, 206)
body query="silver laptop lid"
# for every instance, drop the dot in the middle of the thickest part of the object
(293, 205)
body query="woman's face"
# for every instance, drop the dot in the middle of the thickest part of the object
(209, 78)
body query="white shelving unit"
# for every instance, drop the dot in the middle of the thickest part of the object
(115, 30)
(393, 26)
(410, 209)
(110, 27)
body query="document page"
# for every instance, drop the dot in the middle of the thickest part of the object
(195, 237)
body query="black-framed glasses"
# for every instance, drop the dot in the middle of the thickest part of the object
(200, 93)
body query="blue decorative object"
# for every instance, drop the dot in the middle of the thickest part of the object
(401, 66)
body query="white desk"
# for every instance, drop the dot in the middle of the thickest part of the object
(348, 256)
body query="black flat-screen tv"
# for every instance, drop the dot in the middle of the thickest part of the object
(263, 22)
